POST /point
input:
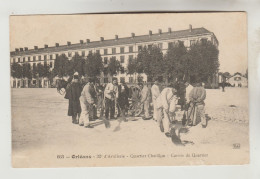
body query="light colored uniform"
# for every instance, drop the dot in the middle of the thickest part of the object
(86, 102)
(197, 97)
(166, 103)
(155, 94)
(188, 90)
(145, 99)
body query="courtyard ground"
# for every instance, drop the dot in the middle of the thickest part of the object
(43, 135)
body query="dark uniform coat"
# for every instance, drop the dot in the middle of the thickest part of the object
(73, 93)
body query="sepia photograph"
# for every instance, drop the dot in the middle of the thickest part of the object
(129, 89)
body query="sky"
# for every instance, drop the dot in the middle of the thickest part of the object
(229, 28)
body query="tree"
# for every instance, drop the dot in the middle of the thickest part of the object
(27, 72)
(62, 66)
(176, 62)
(93, 65)
(40, 70)
(114, 66)
(77, 64)
(16, 70)
(204, 61)
(149, 61)
(131, 67)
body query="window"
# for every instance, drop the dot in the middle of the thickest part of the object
(131, 79)
(131, 49)
(77, 53)
(29, 59)
(204, 41)
(83, 53)
(51, 57)
(51, 64)
(57, 56)
(45, 57)
(130, 57)
(23, 59)
(122, 59)
(34, 66)
(150, 47)
(170, 45)
(237, 78)
(69, 54)
(98, 51)
(122, 49)
(180, 42)
(192, 42)
(139, 47)
(39, 57)
(105, 60)
(160, 45)
(122, 79)
(18, 60)
(90, 52)
(113, 50)
(105, 51)
(34, 58)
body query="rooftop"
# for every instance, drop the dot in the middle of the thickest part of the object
(118, 41)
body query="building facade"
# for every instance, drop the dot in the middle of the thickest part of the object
(122, 48)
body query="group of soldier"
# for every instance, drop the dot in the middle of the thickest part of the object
(85, 100)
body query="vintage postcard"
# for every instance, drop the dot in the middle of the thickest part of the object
(145, 89)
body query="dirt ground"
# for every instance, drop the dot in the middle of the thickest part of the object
(43, 135)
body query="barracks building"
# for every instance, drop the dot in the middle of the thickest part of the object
(122, 48)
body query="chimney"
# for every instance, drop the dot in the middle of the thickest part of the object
(88, 41)
(190, 27)
(25, 48)
(45, 46)
(116, 37)
(17, 49)
(68, 43)
(81, 41)
(57, 44)
(133, 35)
(170, 30)
(160, 31)
(150, 33)
(101, 39)
(35, 47)
(21, 49)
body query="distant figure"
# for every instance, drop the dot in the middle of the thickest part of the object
(73, 92)
(145, 100)
(155, 94)
(197, 97)
(223, 83)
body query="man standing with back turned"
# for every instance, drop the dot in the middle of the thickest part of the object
(197, 97)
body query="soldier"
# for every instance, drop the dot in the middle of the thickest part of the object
(165, 106)
(123, 103)
(110, 93)
(145, 100)
(87, 103)
(155, 94)
(197, 97)
(73, 92)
